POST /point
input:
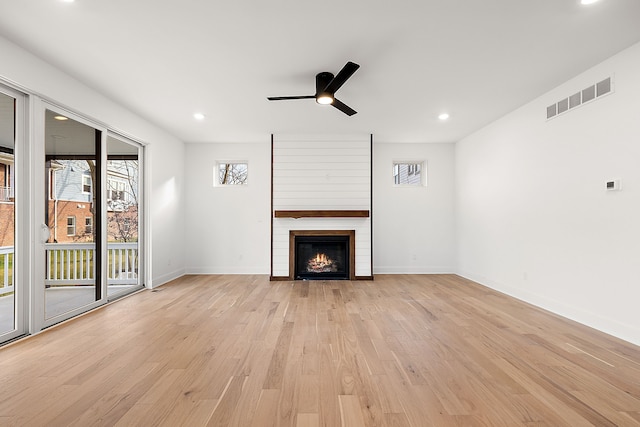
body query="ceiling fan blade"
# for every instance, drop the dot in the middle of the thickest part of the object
(344, 74)
(282, 98)
(343, 107)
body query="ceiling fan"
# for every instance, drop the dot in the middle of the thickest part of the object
(326, 86)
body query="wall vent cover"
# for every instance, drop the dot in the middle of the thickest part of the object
(588, 94)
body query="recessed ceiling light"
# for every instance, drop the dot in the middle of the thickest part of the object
(443, 116)
(67, 1)
(588, 1)
(61, 118)
(198, 116)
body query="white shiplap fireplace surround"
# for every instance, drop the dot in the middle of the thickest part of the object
(324, 184)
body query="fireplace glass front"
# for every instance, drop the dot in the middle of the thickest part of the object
(322, 257)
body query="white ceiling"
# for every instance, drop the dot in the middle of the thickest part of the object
(475, 59)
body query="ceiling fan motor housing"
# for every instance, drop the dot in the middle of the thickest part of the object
(322, 81)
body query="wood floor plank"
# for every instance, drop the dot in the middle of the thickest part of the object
(307, 420)
(226, 406)
(403, 350)
(267, 409)
(196, 414)
(350, 411)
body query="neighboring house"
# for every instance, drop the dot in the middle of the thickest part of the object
(70, 201)
(70, 213)
(7, 215)
(407, 173)
(122, 200)
(69, 210)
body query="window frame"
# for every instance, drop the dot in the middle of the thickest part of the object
(84, 184)
(73, 218)
(216, 173)
(413, 168)
(88, 225)
(116, 190)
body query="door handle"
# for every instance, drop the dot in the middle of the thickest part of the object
(45, 233)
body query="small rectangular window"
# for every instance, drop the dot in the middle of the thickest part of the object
(231, 173)
(409, 173)
(86, 184)
(71, 226)
(126, 224)
(88, 225)
(116, 190)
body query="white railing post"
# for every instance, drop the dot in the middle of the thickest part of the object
(5, 194)
(6, 254)
(60, 257)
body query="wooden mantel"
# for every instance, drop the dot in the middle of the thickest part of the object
(321, 214)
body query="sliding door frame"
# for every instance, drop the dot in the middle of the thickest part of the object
(40, 229)
(21, 271)
(142, 221)
(29, 255)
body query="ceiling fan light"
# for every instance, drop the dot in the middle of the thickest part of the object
(324, 99)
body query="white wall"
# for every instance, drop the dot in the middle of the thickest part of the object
(228, 228)
(535, 220)
(165, 154)
(414, 227)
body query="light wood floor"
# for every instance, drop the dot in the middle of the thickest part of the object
(403, 350)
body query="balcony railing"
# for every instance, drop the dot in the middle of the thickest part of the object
(6, 194)
(6, 264)
(73, 264)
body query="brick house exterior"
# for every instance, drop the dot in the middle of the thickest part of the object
(7, 224)
(70, 225)
(70, 203)
(72, 190)
(7, 213)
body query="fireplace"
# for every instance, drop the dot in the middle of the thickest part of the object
(317, 255)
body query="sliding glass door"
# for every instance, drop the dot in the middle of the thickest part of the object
(73, 212)
(123, 215)
(12, 284)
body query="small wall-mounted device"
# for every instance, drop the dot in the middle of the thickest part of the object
(613, 185)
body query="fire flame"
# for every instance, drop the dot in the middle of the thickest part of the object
(321, 263)
(321, 259)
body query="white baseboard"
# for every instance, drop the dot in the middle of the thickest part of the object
(609, 326)
(156, 281)
(414, 270)
(226, 270)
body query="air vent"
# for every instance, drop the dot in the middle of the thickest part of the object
(589, 93)
(563, 105)
(575, 100)
(604, 87)
(586, 95)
